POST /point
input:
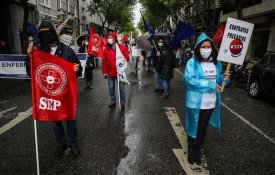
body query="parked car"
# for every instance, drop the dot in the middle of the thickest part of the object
(262, 78)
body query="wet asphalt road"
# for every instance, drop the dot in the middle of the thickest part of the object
(140, 139)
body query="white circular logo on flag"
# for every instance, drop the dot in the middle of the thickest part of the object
(51, 78)
(96, 39)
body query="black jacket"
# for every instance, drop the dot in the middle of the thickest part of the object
(62, 50)
(164, 64)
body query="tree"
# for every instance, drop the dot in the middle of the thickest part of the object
(112, 13)
(163, 14)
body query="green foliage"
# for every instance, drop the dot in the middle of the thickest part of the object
(159, 12)
(114, 14)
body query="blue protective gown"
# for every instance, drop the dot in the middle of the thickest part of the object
(195, 86)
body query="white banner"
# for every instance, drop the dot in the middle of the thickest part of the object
(136, 52)
(235, 41)
(13, 66)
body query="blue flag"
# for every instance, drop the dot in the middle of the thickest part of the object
(31, 29)
(148, 28)
(182, 32)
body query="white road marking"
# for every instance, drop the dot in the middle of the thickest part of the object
(244, 120)
(247, 122)
(181, 154)
(2, 102)
(21, 116)
(3, 112)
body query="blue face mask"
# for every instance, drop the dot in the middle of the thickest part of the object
(110, 41)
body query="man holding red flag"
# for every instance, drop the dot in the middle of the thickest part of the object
(109, 69)
(54, 87)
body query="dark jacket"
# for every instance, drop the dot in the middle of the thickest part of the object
(164, 64)
(62, 50)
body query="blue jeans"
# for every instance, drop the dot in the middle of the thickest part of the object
(150, 62)
(112, 88)
(59, 132)
(158, 83)
(166, 85)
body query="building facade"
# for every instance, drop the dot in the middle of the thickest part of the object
(262, 14)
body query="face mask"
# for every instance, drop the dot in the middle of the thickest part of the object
(110, 41)
(47, 38)
(205, 53)
(160, 44)
(86, 43)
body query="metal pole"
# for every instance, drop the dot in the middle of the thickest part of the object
(36, 147)
(118, 91)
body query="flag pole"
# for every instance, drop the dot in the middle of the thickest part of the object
(155, 45)
(33, 111)
(118, 91)
(36, 147)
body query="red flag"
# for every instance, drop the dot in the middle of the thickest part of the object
(95, 46)
(104, 40)
(54, 87)
(217, 38)
(125, 38)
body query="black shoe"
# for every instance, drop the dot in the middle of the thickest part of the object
(161, 91)
(190, 157)
(165, 95)
(59, 150)
(156, 90)
(122, 106)
(74, 150)
(111, 105)
(197, 157)
(87, 87)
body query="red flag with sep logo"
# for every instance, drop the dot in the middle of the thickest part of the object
(217, 38)
(95, 46)
(104, 40)
(54, 87)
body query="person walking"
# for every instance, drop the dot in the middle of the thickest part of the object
(109, 69)
(50, 43)
(202, 79)
(167, 65)
(90, 63)
(155, 54)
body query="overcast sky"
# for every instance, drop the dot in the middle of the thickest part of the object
(137, 14)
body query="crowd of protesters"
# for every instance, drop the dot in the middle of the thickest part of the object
(202, 80)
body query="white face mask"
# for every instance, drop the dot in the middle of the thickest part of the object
(86, 43)
(110, 41)
(160, 44)
(205, 53)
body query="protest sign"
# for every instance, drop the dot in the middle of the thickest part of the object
(235, 41)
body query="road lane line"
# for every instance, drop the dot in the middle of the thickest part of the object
(247, 122)
(2, 102)
(3, 112)
(21, 116)
(244, 120)
(181, 154)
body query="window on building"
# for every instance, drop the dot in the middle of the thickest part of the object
(231, 5)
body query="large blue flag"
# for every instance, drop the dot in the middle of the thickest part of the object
(182, 32)
(149, 29)
(31, 29)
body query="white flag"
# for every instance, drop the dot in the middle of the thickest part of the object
(121, 65)
(61, 26)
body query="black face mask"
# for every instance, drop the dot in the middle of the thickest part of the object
(47, 38)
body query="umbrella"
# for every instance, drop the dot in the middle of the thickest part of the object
(165, 35)
(81, 38)
(144, 43)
